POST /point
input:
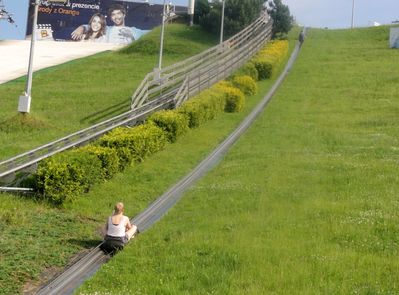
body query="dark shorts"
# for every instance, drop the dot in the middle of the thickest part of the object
(123, 240)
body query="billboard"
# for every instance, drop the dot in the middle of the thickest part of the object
(102, 21)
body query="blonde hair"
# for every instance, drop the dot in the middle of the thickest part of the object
(118, 208)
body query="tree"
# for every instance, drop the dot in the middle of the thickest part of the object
(5, 15)
(238, 14)
(201, 9)
(282, 19)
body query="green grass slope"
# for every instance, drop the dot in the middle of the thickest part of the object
(83, 92)
(38, 240)
(305, 203)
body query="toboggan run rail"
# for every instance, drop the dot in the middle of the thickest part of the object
(161, 90)
(74, 276)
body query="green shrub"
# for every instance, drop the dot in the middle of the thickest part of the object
(246, 84)
(233, 97)
(171, 122)
(108, 157)
(203, 107)
(235, 100)
(116, 140)
(63, 177)
(269, 57)
(248, 69)
(194, 112)
(145, 140)
(264, 68)
(214, 103)
(135, 144)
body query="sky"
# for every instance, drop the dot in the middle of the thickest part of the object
(313, 13)
(19, 10)
(338, 13)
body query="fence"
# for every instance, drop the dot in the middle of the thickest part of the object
(160, 90)
(203, 70)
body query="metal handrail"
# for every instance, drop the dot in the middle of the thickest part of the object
(176, 82)
(183, 79)
(182, 94)
(211, 55)
(25, 160)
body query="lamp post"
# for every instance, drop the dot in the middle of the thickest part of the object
(222, 22)
(191, 8)
(25, 99)
(353, 14)
(158, 70)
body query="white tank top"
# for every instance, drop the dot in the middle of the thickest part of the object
(117, 230)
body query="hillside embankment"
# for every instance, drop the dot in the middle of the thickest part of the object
(306, 202)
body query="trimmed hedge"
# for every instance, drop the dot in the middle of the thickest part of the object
(269, 57)
(114, 140)
(234, 98)
(63, 177)
(203, 107)
(264, 68)
(274, 51)
(171, 122)
(246, 84)
(248, 69)
(135, 144)
(108, 157)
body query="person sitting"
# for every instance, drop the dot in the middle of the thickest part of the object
(119, 230)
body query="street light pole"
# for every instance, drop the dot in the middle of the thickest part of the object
(162, 36)
(191, 8)
(353, 14)
(25, 99)
(222, 22)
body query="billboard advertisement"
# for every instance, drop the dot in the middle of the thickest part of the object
(102, 21)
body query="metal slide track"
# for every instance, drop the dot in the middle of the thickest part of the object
(81, 137)
(210, 66)
(73, 277)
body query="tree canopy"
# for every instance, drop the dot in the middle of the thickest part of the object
(238, 14)
(282, 19)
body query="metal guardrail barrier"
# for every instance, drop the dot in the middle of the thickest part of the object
(167, 88)
(15, 189)
(79, 138)
(211, 60)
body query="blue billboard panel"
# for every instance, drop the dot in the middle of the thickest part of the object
(102, 21)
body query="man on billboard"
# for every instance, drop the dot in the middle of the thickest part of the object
(118, 33)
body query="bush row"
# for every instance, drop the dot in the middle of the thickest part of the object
(65, 176)
(269, 57)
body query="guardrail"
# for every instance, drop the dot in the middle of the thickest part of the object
(216, 60)
(81, 137)
(165, 89)
(16, 189)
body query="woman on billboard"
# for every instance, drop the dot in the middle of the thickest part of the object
(97, 27)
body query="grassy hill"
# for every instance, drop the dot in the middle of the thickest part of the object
(305, 203)
(80, 93)
(38, 240)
